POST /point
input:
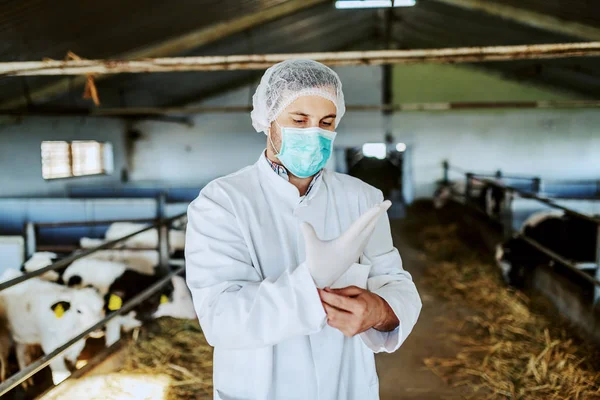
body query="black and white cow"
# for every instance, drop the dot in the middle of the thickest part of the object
(49, 314)
(123, 289)
(489, 198)
(42, 259)
(572, 238)
(117, 284)
(6, 342)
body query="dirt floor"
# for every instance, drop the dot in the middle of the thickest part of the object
(470, 342)
(403, 375)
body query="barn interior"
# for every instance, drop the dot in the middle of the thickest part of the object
(478, 119)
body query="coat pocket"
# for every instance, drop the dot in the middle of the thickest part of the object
(356, 275)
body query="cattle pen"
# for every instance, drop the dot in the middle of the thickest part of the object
(529, 188)
(164, 269)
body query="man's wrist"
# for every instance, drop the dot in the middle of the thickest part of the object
(388, 320)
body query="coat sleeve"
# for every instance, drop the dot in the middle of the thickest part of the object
(235, 306)
(391, 282)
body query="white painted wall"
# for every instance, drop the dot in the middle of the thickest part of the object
(219, 144)
(549, 143)
(558, 144)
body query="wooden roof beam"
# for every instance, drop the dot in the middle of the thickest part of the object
(174, 46)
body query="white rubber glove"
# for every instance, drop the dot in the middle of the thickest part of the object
(328, 260)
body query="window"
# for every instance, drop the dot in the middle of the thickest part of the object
(77, 158)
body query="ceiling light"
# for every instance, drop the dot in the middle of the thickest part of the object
(346, 4)
(400, 147)
(377, 150)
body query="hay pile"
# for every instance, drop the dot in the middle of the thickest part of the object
(506, 349)
(176, 348)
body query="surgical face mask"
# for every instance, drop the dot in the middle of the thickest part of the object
(304, 151)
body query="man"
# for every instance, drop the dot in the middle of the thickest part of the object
(260, 275)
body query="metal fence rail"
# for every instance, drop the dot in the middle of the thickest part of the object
(68, 260)
(36, 366)
(537, 184)
(160, 224)
(506, 222)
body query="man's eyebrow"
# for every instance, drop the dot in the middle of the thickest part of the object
(299, 113)
(308, 115)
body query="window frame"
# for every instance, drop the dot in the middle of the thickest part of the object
(104, 157)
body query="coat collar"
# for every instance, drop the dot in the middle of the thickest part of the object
(284, 188)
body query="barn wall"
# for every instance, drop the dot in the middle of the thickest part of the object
(20, 158)
(219, 144)
(519, 141)
(561, 144)
(552, 143)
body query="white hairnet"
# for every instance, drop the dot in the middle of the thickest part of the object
(285, 82)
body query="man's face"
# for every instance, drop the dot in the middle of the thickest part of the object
(304, 112)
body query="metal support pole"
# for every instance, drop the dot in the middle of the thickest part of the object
(468, 187)
(507, 215)
(163, 235)
(163, 249)
(537, 184)
(597, 288)
(30, 240)
(446, 167)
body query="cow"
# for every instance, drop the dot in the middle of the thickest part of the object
(181, 305)
(42, 259)
(6, 343)
(489, 198)
(49, 314)
(572, 238)
(123, 289)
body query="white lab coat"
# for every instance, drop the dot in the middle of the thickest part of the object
(257, 303)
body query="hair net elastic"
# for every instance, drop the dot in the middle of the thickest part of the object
(285, 82)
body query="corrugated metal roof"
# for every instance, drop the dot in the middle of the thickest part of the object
(318, 29)
(583, 11)
(34, 29)
(433, 24)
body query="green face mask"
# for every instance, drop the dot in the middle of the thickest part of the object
(304, 151)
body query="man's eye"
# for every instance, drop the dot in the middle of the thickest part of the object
(298, 122)
(326, 123)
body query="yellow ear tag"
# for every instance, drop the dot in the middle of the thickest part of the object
(59, 311)
(114, 302)
(164, 299)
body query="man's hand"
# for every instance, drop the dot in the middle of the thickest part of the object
(353, 310)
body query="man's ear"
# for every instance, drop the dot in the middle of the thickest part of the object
(60, 308)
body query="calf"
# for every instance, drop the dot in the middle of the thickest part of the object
(572, 238)
(147, 239)
(41, 260)
(491, 200)
(123, 289)
(45, 313)
(98, 274)
(5, 343)
(181, 306)
(142, 261)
